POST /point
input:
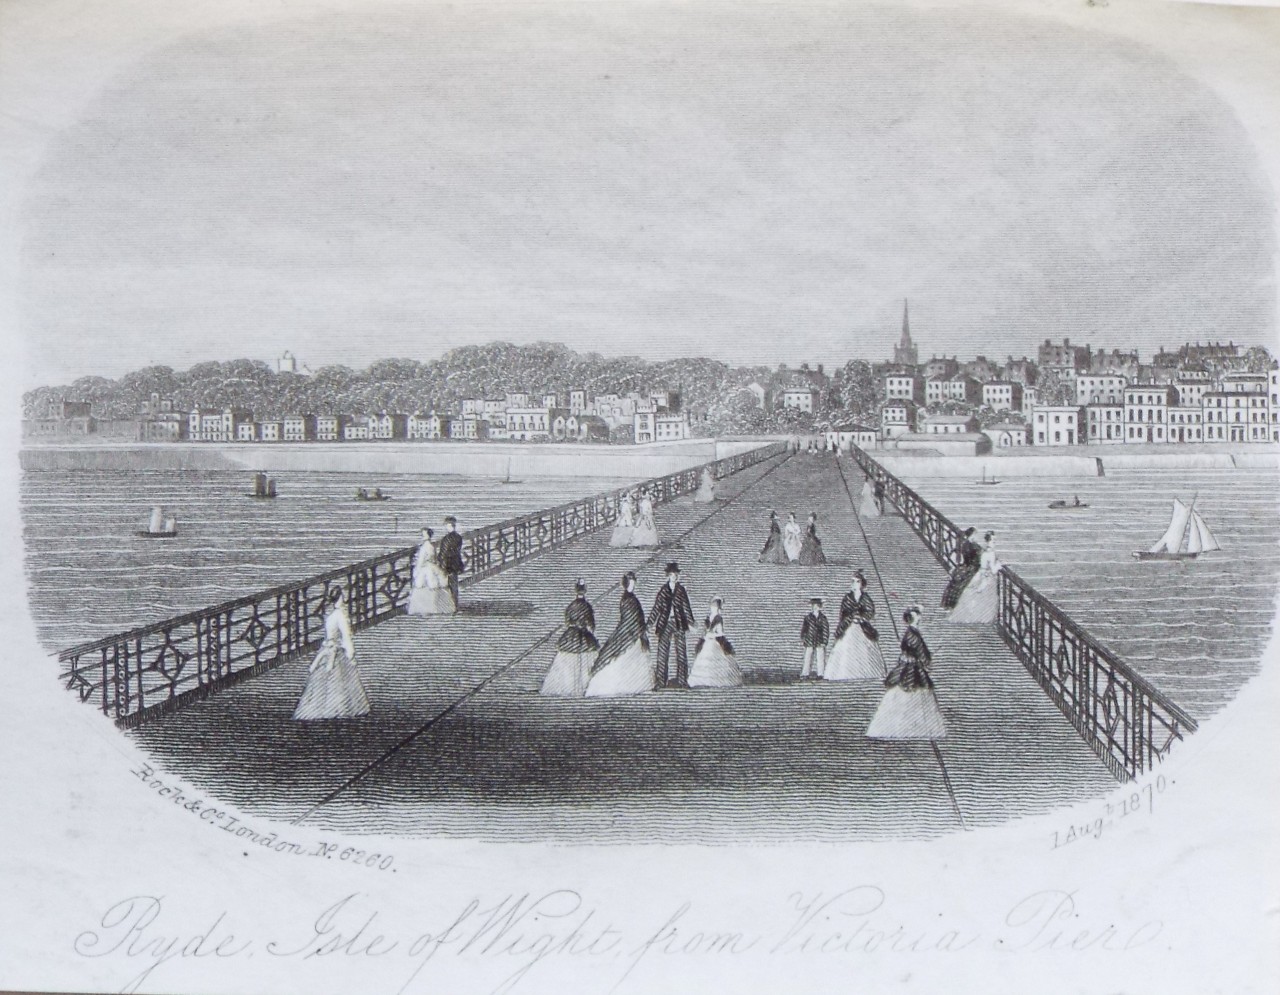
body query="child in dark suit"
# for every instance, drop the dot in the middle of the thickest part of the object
(814, 632)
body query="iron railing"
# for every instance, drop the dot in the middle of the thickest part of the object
(1123, 718)
(153, 669)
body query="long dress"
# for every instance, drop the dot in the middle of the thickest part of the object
(575, 653)
(792, 540)
(978, 601)
(811, 554)
(625, 525)
(624, 664)
(867, 506)
(855, 655)
(714, 665)
(971, 554)
(334, 689)
(773, 551)
(706, 492)
(909, 708)
(646, 533)
(430, 594)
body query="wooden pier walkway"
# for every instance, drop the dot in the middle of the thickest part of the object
(459, 743)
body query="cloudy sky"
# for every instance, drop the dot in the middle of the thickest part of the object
(756, 185)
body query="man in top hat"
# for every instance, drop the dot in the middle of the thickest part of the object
(672, 617)
(449, 555)
(814, 633)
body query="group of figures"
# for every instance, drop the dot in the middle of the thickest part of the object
(635, 525)
(334, 689)
(972, 593)
(789, 544)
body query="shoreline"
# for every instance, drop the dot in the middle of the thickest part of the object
(482, 459)
(1064, 461)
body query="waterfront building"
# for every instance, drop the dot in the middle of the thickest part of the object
(356, 430)
(1057, 425)
(1146, 412)
(897, 418)
(473, 406)
(331, 428)
(468, 428)
(1002, 395)
(1273, 398)
(495, 411)
(1186, 424)
(428, 427)
(940, 424)
(1244, 383)
(946, 444)
(643, 428)
(386, 426)
(1006, 435)
(904, 387)
(1191, 390)
(528, 423)
(905, 353)
(578, 402)
(212, 425)
(852, 433)
(517, 399)
(671, 427)
(1104, 423)
(299, 428)
(247, 432)
(1099, 388)
(270, 431)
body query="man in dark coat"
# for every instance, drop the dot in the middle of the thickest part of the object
(672, 617)
(814, 633)
(449, 555)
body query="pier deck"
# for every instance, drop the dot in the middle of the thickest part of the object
(459, 743)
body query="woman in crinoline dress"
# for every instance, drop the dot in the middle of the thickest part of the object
(645, 533)
(713, 662)
(626, 523)
(792, 539)
(855, 655)
(430, 594)
(334, 689)
(909, 708)
(773, 551)
(575, 650)
(811, 554)
(706, 492)
(978, 601)
(868, 506)
(624, 664)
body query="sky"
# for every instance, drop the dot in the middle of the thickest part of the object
(757, 185)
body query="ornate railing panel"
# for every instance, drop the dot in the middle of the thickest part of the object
(1122, 717)
(150, 670)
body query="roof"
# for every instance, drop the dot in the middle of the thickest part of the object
(852, 427)
(1006, 427)
(949, 419)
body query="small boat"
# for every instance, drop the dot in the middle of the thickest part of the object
(377, 495)
(160, 526)
(985, 479)
(1067, 505)
(263, 487)
(507, 479)
(1186, 538)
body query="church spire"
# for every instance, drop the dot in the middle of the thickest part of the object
(905, 353)
(906, 326)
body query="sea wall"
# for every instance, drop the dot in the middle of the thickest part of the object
(1029, 464)
(449, 458)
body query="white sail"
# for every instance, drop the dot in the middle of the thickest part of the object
(1199, 538)
(157, 519)
(1172, 539)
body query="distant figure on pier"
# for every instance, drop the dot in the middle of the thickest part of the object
(624, 666)
(815, 630)
(334, 689)
(773, 551)
(970, 554)
(792, 538)
(430, 593)
(706, 492)
(713, 662)
(868, 506)
(646, 532)
(575, 650)
(978, 601)
(672, 619)
(449, 555)
(909, 708)
(625, 526)
(856, 654)
(879, 495)
(811, 554)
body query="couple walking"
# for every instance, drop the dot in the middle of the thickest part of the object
(635, 525)
(623, 665)
(973, 590)
(435, 572)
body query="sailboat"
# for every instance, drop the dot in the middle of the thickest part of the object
(160, 526)
(1186, 538)
(263, 486)
(507, 479)
(985, 479)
